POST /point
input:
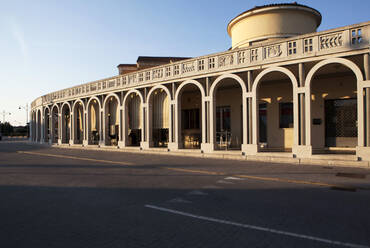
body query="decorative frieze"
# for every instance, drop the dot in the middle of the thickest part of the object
(331, 41)
(225, 60)
(273, 51)
(188, 67)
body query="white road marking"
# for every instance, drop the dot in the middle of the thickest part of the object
(179, 200)
(233, 178)
(224, 182)
(211, 187)
(197, 192)
(259, 228)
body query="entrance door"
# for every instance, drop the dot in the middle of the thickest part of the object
(263, 123)
(341, 123)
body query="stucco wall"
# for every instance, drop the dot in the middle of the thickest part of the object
(273, 93)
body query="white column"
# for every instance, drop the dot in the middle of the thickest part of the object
(178, 123)
(122, 126)
(51, 136)
(367, 99)
(71, 128)
(204, 121)
(85, 132)
(102, 125)
(60, 129)
(38, 126)
(172, 143)
(207, 144)
(42, 127)
(248, 147)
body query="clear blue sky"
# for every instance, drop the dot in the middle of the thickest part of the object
(50, 45)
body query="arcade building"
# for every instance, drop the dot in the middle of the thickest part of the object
(282, 88)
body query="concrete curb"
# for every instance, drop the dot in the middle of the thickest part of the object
(228, 156)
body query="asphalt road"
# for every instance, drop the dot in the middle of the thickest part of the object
(52, 197)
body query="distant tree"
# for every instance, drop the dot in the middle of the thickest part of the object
(6, 128)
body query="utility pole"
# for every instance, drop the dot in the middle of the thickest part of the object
(5, 114)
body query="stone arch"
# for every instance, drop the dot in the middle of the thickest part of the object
(54, 132)
(255, 105)
(46, 108)
(111, 133)
(66, 103)
(109, 96)
(78, 122)
(360, 104)
(224, 76)
(158, 87)
(150, 135)
(135, 135)
(47, 124)
(93, 131)
(93, 98)
(38, 125)
(178, 120)
(274, 69)
(77, 101)
(349, 64)
(55, 106)
(187, 82)
(130, 92)
(65, 123)
(238, 136)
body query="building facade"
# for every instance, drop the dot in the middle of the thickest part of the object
(281, 87)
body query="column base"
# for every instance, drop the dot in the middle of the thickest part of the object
(173, 146)
(71, 142)
(121, 144)
(363, 153)
(101, 143)
(59, 141)
(145, 144)
(85, 142)
(302, 151)
(207, 147)
(249, 149)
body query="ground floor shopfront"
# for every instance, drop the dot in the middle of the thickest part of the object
(298, 109)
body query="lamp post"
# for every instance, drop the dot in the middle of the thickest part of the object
(5, 114)
(25, 108)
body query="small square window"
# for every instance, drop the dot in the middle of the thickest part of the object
(308, 45)
(176, 70)
(211, 63)
(141, 77)
(241, 57)
(168, 71)
(201, 65)
(254, 54)
(356, 36)
(147, 75)
(292, 47)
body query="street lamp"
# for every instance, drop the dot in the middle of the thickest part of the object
(25, 108)
(5, 114)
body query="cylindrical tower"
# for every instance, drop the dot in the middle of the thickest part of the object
(272, 22)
